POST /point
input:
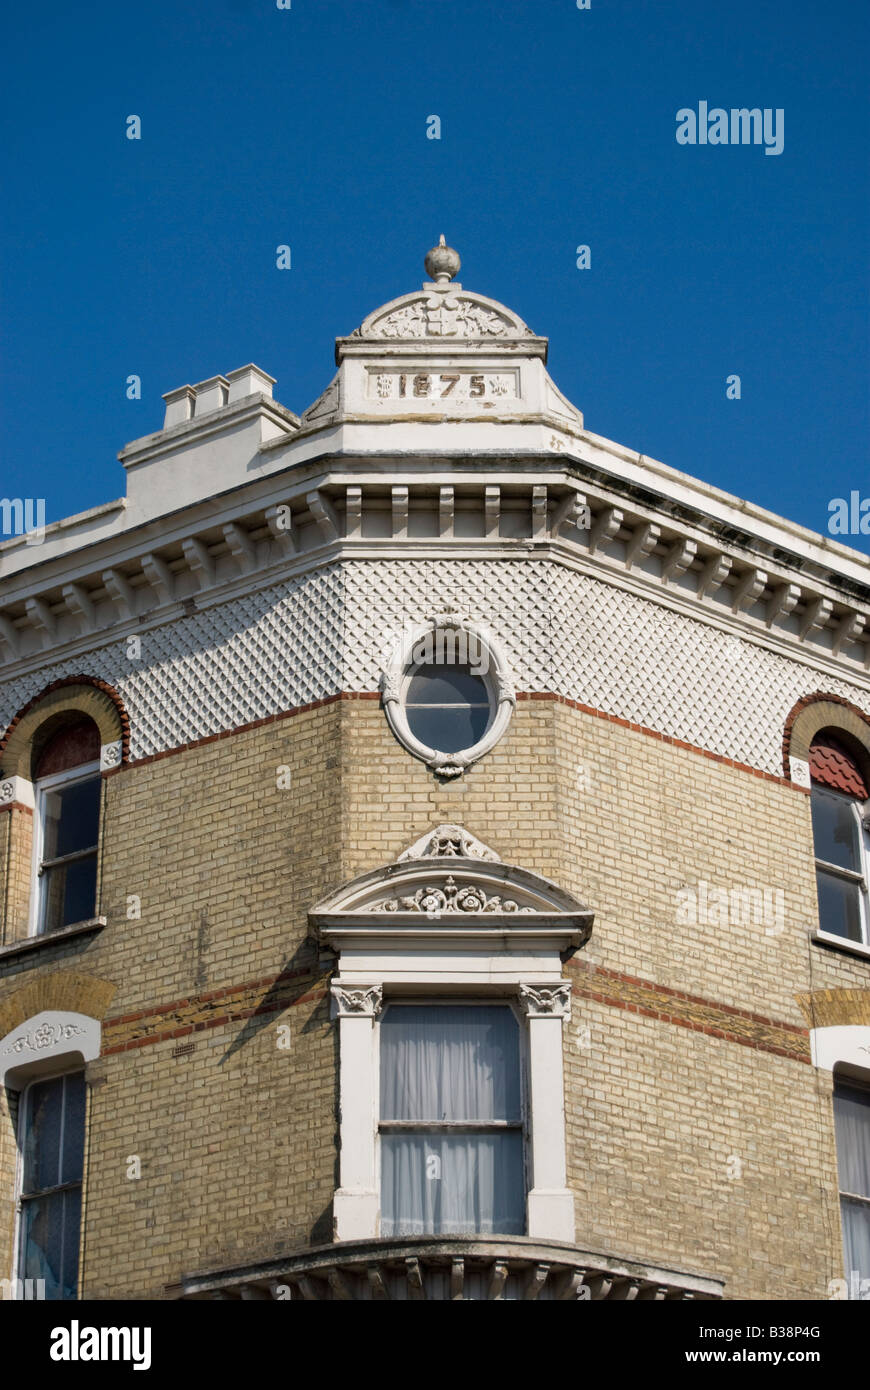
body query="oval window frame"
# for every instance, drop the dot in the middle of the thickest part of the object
(400, 670)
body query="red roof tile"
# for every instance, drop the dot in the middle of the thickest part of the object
(832, 766)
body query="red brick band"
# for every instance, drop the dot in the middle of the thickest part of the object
(691, 1011)
(521, 695)
(273, 994)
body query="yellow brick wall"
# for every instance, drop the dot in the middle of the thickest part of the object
(17, 847)
(8, 1163)
(236, 1146)
(237, 1138)
(702, 1155)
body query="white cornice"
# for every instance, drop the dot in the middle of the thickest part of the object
(223, 548)
(725, 507)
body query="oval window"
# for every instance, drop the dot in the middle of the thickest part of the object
(448, 695)
(447, 707)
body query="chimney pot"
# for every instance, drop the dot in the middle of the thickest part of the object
(179, 406)
(211, 394)
(248, 381)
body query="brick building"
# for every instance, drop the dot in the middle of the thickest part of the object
(434, 856)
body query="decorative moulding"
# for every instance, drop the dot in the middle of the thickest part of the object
(450, 897)
(565, 632)
(446, 842)
(17, 791)
(97, 611)
(799, 770)
(547, 1001)
(36, 1046)
(325, 405)
(110, 756)
(443, 311)
(464, 899)
(350, 1002)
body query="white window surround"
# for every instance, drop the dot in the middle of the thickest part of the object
(841, 1045)
(397, 675)
(83, 772)
(860, 877)
(841, 943)
(844, 1051)
(431, 928)
(44, 1043)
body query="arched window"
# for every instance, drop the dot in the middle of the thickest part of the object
(840, 834)
(43, 1062)
(67, 787)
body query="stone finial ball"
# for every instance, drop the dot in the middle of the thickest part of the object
(442, 262)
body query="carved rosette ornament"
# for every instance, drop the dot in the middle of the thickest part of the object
(46, 1035)
(110, 756)
(450, 898)
(547, 1001)
(363, 1002)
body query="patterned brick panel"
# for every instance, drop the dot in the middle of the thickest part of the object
(312, 636)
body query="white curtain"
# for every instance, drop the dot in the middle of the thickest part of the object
(852, 1121)
(443, 1063)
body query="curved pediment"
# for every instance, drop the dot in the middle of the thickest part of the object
(450, 882)
(443, 312)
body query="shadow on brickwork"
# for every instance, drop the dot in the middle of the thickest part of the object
(299, 976)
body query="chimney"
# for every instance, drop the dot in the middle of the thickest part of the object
(186, 403)
(211, 395)
(248, 381)
(179, 406)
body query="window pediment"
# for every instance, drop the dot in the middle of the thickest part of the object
(449, 882)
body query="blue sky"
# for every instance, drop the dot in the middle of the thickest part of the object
(307, 126)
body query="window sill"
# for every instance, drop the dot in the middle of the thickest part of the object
(53, 938)
(841, 943)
